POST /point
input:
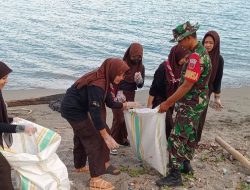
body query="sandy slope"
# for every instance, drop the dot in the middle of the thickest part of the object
(214, 168)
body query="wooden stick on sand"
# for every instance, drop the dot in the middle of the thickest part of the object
(245, 162)
(34, 101)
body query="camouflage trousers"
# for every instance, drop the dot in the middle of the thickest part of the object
(182, 141)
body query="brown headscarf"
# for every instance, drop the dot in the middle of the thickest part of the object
(173, 69)
(104, 75)
(4, 70)
(214, 54)
(135, 49)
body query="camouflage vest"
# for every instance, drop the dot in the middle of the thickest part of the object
(197, 97)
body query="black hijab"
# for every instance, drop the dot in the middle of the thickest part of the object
(4, 70)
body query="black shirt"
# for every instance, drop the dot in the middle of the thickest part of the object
(159, 83)
(78, 102)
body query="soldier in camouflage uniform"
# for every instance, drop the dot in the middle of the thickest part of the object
(192, 100)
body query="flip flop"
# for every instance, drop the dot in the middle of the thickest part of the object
(112, 170)
(82, 170)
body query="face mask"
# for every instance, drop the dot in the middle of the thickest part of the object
(135, 61)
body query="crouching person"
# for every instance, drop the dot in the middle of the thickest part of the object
(84, 108)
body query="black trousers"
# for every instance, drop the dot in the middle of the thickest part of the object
(5, 174)
(88, 143)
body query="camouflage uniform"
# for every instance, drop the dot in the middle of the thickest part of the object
(182, 141)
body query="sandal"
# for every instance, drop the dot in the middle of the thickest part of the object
(84, 169)
(100, 184)
(112, 170)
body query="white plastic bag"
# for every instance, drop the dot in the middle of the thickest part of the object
(35, 160)
(147, 136)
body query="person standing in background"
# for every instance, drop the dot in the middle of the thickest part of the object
(134, 78)
(166, 81)
(211, 42)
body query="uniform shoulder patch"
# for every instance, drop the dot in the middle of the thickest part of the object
(192, 63)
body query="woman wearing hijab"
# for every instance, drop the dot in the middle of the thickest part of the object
(211, 42)
(5, 131)
(134, 78)
(166, 81)
(84, 108)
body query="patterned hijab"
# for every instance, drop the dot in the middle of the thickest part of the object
(135, 49)
(104, 75)
(173, 69)
(4, 70)
(214, 54)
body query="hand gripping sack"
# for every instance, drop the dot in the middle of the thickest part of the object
(147, 136)
(35, 160)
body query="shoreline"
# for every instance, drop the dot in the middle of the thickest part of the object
(36, 93)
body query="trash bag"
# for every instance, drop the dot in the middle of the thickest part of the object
(35, 160)
(147, 136)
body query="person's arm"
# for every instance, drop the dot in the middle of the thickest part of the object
(7, 128)
(140, 85)
(96, 101)
(150, 101)
(10, 128)
(218, 77)
(179, 93)
(111, 103)
(192, 75)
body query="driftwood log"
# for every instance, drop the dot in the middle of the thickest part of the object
(237, 155)
(34, 101)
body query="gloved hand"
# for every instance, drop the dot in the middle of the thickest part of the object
(138, 78)
(130, 105)
(120, 97)
(30, 130)
(110, 142)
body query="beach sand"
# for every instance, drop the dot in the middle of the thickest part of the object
(214, 167)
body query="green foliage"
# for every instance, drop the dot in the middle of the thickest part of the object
(243, 186)
(134, 172)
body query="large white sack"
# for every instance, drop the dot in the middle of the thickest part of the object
(35, 160)
(147, 136)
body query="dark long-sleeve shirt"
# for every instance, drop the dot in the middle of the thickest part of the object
(159, 85)
(78, 102)
(7, 128)
(132, 86)
(218, 77)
